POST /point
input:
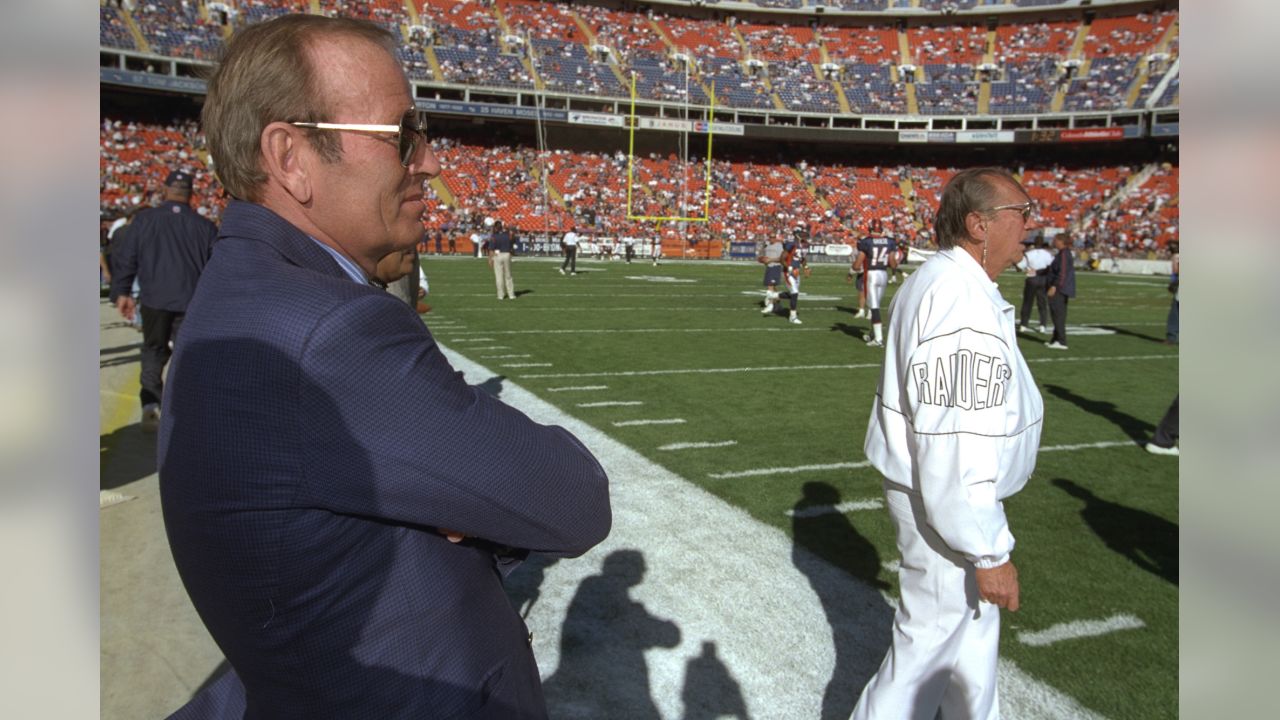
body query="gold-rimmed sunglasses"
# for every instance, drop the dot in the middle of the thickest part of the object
(410, 133)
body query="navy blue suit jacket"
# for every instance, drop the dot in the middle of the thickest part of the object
(303, 509)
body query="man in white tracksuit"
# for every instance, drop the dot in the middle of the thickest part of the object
(954, 430)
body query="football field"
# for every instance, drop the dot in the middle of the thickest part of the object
(752, 566)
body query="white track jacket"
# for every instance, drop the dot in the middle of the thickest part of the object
(957, 417)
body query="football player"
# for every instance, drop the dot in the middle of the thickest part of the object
(879, 253)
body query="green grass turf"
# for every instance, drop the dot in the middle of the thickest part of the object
(1096, 527)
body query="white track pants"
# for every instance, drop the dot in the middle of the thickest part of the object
(945, 640)
(876, 282)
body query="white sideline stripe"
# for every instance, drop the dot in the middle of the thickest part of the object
(503, 357)
(576, 388)
(1102, 359)
(662, 421)
(839, 509)
(1091, 446)
(1080, 629)
(524, 365)
(857, 366)
(470, 340)
(107, 498)
(490, 347)
(611, 331)
(698, 371)
(698, 445)
(789, 470)
(704, 568)
(611, 403)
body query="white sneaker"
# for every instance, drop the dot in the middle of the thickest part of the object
(872, 342)
(1155, 449)
(1024, 329)
(1043, 330)
(1055, 345)
(768, 309)
(794, 320)
(561, 270)
(150, 419)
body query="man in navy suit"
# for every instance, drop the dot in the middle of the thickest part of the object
(347, 561)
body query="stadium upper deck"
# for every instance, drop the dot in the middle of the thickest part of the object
(928, 60)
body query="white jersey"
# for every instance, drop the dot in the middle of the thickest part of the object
(957, 417)
(571, 239)
(1034, 260)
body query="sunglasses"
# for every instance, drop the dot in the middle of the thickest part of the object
(1026, 208)
(410, 133)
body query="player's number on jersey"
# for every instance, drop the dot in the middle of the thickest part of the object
(879, 257)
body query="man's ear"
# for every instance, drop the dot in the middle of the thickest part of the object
(286, 160)
(976, 225)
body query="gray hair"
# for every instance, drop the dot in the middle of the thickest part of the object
(972, 190)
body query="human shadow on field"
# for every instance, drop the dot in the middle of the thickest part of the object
(1136, 428)
(602, 670)
(710, 691)
(860, 623)
(1147, 540)
(852, 331)
(1131, 333)
(524, 584)
(121, 360)
(125, 455)
(492, 386)
(121, 348)
(522, 293)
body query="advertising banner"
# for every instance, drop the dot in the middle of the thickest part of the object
(597, 119)
(1091, 134)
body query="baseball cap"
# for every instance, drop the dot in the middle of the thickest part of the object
(178, 179)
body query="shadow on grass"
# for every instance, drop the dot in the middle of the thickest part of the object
(858, 333)
(825, 537)
(1148, 541)
(1131, 333)
(1136, 428)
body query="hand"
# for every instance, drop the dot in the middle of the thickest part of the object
(452, 536)
(999, 585)
(1053, 290)
(126, 306)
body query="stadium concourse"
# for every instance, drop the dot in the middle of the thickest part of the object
(668, 604)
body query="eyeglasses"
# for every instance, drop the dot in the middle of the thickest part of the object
(1026, 208)
(409, 133)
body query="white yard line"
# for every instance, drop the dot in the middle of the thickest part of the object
(705, 567)
(1091, 446)
(756, 472)
(504, 357)
(660, 421)
(524, 365)
(489, 347)
(839, 509)
(698, 445)
(1117, 358)
(1080, 629)
(611, 403)
(854, 366)
(578, 388)
(471, 340)
(700, 371)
